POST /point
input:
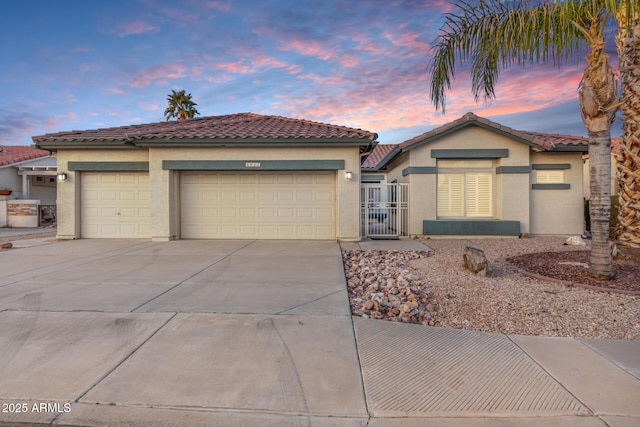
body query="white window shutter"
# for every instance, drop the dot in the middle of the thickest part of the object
(451, 195)
(478, 194)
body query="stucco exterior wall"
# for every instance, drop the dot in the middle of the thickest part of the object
(10, 180)
(511, 195)
(558, 211)
(68, 193)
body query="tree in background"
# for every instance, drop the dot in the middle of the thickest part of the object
(627, 13)
(180, 106)
(494, 35)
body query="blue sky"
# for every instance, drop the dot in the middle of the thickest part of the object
(83, 65)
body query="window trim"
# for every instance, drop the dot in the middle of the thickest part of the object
(465, 170)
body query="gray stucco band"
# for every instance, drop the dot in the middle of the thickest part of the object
(425, 170)
(558, 166)
(513, 169)
(550, 186)
(475, 153)
(470, 227)
(108, 166)
(252, 165)
(372, 178)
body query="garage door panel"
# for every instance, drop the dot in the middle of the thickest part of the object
(115, 205)
(284, 179)
(304, 179)
(266, 179)
(258, 205)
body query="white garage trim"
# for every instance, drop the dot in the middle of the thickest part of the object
(258, 205)
(115, 205)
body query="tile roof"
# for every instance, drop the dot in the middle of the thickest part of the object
(10, 154)
(232, 126)
(378, 154)
(537, 140)
(546, 142)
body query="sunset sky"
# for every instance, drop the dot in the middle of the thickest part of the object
(68, 65)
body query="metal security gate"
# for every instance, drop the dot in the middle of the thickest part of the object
(384, 210)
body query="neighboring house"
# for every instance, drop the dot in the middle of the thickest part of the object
(473, 176)
(28, 172)
(243, 176)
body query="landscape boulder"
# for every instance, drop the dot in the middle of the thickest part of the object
(476, 262)
(575, 241)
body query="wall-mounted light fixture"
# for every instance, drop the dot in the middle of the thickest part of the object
(62, 176)
(348, 175)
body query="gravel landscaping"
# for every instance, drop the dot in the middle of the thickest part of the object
(435, 289)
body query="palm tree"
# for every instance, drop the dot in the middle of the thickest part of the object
(494, 35)
(628, 165)
(180, 106)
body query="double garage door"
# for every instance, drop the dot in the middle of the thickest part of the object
(220, 205)
(258, 205)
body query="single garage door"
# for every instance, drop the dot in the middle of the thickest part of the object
(258, 205)
(115, 205)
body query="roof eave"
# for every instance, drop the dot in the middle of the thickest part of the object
(256, 142)
(50, 145)
(465, 124)
(581, 148)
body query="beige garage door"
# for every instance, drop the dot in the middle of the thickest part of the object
(115, 205)
(259, 205)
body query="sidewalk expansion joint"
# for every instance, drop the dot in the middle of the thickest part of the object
(591, 411)
(309, 302)
(191, 277)
(127, 357)
(361, 369)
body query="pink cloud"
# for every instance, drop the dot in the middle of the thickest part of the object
(180, 15)
(309, 48)
(218, 5)
(233, 67)
(135, 27)
(349, 60)
(410, 40)
(324, 80)
(381, 101)
(150, 106)
(159, 74)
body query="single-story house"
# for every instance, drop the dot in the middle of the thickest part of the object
(29, 173)
(238, 176)
(473, 176)
(28, 186)
(255, 176)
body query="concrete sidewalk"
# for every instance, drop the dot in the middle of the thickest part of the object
(259, 333)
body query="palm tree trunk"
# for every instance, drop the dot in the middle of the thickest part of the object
(628, 43)
(600, 263)
(598, 99)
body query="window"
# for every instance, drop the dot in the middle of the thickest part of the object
(43, 180)
(465, 189)
(549, 176)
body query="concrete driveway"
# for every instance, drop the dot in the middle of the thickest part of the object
(258, 328)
